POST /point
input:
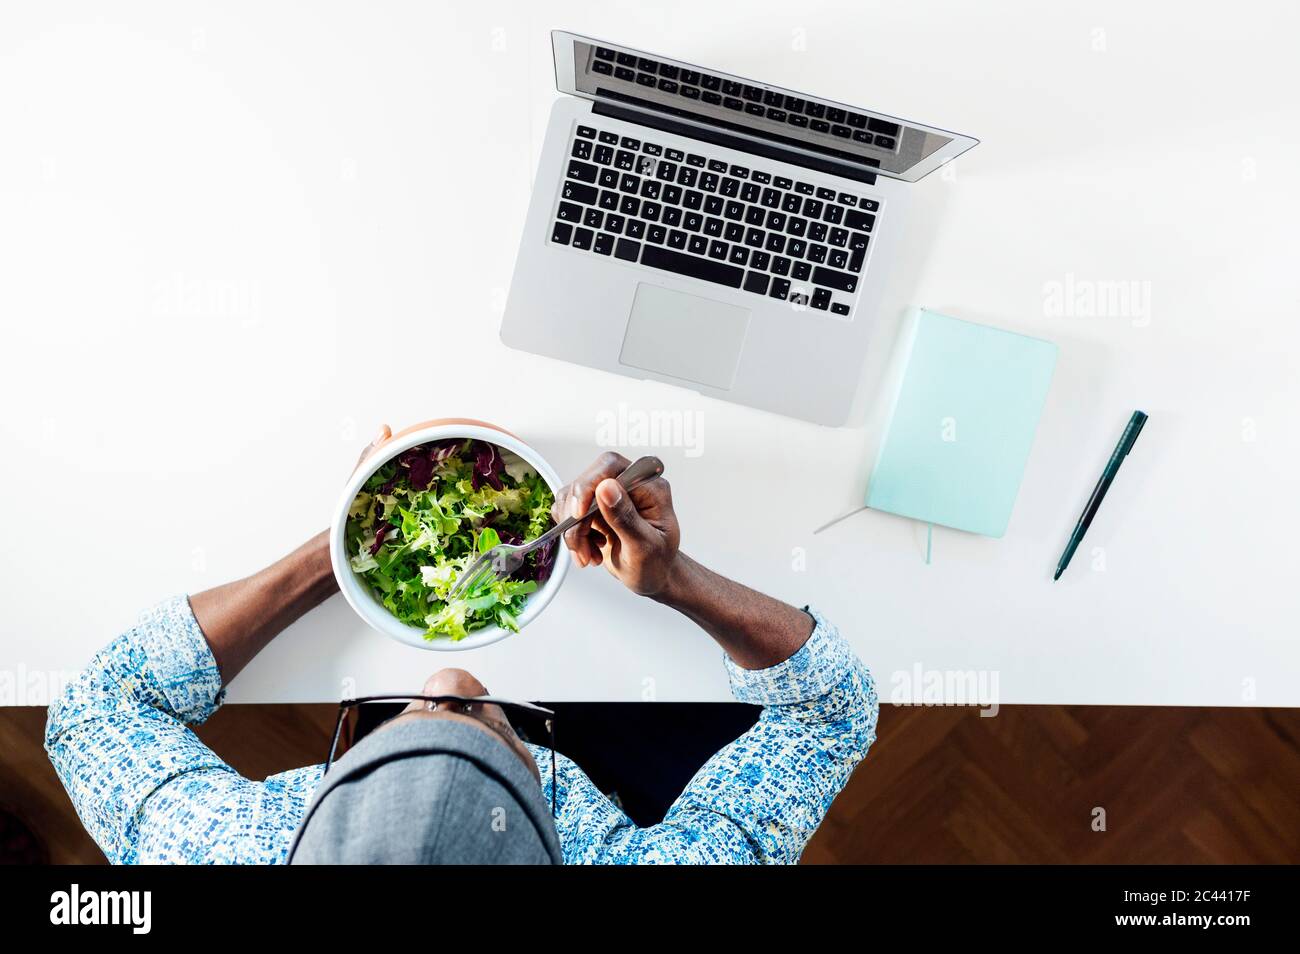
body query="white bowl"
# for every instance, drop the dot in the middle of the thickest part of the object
(359, 595)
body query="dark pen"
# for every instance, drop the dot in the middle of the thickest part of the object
(1099, 492)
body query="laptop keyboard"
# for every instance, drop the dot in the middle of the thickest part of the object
(701, 217)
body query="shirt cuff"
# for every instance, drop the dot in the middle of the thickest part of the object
(814, 670)
(179, 659)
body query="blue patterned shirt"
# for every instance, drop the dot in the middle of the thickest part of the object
(149, 791)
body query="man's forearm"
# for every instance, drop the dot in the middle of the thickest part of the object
(240, 618)
(755, 630)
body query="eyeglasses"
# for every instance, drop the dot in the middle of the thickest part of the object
(525, 718)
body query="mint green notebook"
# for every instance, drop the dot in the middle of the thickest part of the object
(964, 419)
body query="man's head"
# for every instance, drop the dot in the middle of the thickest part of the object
(436, 784)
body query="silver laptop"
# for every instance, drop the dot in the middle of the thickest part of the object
(714, 232)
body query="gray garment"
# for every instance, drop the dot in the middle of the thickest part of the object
(428, 791)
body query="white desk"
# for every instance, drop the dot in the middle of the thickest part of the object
(234, 242)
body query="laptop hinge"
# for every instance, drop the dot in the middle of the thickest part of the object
(720, 138)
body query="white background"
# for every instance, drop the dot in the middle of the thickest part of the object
(235, 238)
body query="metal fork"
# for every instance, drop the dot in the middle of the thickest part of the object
(506, 558)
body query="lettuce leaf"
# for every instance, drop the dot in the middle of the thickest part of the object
(424, 516)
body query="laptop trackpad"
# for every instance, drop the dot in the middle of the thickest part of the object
(684, 336)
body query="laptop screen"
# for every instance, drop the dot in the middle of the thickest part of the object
(861, 138)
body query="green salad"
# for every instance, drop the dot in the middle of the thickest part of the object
(428, 513)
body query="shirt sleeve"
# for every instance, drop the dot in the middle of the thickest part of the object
(146, 788)
(761, 798)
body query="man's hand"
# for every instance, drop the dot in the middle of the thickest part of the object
(240, 618)
(634, 535)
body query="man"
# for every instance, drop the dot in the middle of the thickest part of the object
(452, 782)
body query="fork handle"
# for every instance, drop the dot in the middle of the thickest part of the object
(636, 473)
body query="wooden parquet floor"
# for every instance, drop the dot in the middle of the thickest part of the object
(942, 785)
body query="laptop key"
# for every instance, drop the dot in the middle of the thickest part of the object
(839, 237)
(734, 232)
(561, 232)
(635, 229)
(839, 308)
(625, 160)
(698, 244)
(780, 288)
(713, 227)
(756, 282)
(582, 238)
(796, 226)
(857, 219)
(839, 258)
(613, 223)
(718, 249)
(609, 178)
(754, 216)
(604, 155)
(702, 268)
(629, 183)
(609, 200)
(672, 216)
(569, 212)
(657, 234)
(801, 271)
(650, 210)
(775, 242)
(652, 149)
(781, 265)
(650, 188)
(582, 171)
(821, 299)
(593, 218)
(817, 254)
(754, 238)
(834, 214)
(581, 149)
(677, 239)
(586, 132)
(580, 193)
(771, 199)
(630, 205)
(627, 250)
